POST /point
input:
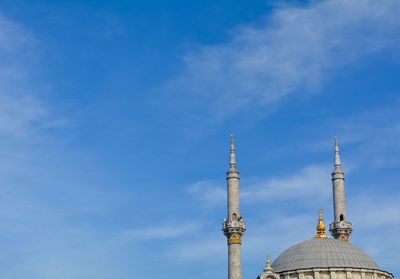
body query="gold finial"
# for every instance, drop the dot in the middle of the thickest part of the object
(320, 226)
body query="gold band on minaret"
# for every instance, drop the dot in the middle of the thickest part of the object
(235, 239)
(320, 226)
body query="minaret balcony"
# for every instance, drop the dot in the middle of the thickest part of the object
(340, 225)
(234, 226)
(341, 230)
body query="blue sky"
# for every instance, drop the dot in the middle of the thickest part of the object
(115, 119)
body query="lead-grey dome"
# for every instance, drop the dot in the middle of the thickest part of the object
(322, 253)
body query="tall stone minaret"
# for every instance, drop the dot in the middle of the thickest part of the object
(339, 228)
(233, 227)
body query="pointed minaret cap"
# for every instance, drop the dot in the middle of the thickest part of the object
(320, 226)
(232, 159)
(268, 265)
(337, 156)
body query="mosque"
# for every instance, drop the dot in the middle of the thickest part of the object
(321, 257)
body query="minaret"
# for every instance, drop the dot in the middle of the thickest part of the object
(233, 227)
(340, 228)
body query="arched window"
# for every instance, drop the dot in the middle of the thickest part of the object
(341, 217)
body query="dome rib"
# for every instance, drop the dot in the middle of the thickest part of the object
(323, 253)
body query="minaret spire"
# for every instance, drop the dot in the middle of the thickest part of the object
(339, 228)
(336, 162)
(233, 226)
(232, 159)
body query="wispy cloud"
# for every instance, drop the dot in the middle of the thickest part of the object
(309, 183)
(210, 248)
(266, 198)
(294, 48)
(74, 87)
(23, 112)
(33, 195)
(208, 192)
(374, 135)
(272, 231)
(160, 232)
(381, 214)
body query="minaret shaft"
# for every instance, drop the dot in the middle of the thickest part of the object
(233, 225)
(233, 195)
(234, 261)
(339, 202)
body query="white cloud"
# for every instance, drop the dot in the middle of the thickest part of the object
(34, 229)
(374, 211)
(22, 110)
(271, 232)
(208, 192)
(309, 183)
(160, 232)
(374, 136)
(207, 249)
(310, 187)
(294, 48)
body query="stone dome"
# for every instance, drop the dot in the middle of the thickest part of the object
(323, 253)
